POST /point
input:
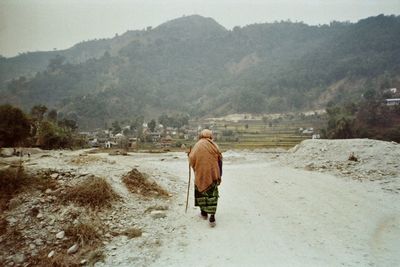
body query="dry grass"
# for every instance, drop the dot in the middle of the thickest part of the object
(137, 183)
(3, 226)
(96, 256)
(58, 260)
(15, 180)
(94, 192)
(86, 236)
(132, 232)
(83, 233)
(85, 159)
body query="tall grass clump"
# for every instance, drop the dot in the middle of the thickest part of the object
(94, 192)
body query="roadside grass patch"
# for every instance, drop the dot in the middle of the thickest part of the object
(94, 192)
(138, 183)
(84, 234)
(58, 260)
(14, 180)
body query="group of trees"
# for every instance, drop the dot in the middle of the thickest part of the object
(176, 121)
(41, 127)
(369, 118)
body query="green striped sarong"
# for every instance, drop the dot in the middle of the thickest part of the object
(208, 200)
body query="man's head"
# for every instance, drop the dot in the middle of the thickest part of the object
(206, 133)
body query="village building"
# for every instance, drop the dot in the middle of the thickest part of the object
(392, 101)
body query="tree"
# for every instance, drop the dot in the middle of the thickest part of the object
(55, 63)
(68, 124)
(137, 122)
(38, 111)
(52, 115)
(116, 128)
(152, 125)
(50, 136)
(14, 126)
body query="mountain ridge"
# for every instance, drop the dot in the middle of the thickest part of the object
(196, 66)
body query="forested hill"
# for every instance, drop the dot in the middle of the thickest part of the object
(194, 65)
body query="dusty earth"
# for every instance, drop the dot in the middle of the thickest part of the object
(310, 206)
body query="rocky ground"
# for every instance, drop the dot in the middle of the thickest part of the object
(360, 159)
(40, 220)
(148, 226)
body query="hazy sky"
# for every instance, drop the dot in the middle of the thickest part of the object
(37, 25)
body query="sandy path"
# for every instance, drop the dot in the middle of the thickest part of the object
(271, 215)
(268, 215)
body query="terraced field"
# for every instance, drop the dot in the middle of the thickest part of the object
(254, 134)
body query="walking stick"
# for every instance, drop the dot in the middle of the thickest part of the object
(190, 174)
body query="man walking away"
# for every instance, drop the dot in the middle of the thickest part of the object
(206, 160)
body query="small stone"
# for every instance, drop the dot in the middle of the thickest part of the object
(83, 262)
(48, 191)
(38, 242)
(12, 220)
(39, 216)
(19, 258)
(158, 214)
(32, 246)
(15, 202)
(51, 254)
(54, 175)
(73, 249)
(60, 235)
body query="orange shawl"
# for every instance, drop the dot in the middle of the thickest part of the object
(204, 159)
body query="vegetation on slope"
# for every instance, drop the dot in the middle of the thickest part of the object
(194, 65)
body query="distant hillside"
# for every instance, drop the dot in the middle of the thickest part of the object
(194, 65)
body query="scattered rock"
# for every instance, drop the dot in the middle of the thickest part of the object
(60, 235)
(12, 220)
(51, 254)
(73, 249)
(158, 214)
(39, 216)
(48, 191)
(352, 157)
(54, 175)
(15, 202)
(38, 242)
(19, 258)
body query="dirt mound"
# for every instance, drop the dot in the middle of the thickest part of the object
(38, 227)
(94, 192)
(139, 183)
(375, 160)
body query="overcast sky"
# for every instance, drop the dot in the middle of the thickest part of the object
(40, 25)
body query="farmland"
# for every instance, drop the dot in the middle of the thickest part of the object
(253, 132)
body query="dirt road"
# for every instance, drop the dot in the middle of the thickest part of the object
(269, 214)
(272, 215)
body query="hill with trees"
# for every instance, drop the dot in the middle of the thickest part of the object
(193, 65)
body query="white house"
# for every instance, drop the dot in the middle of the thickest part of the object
(392, 101)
